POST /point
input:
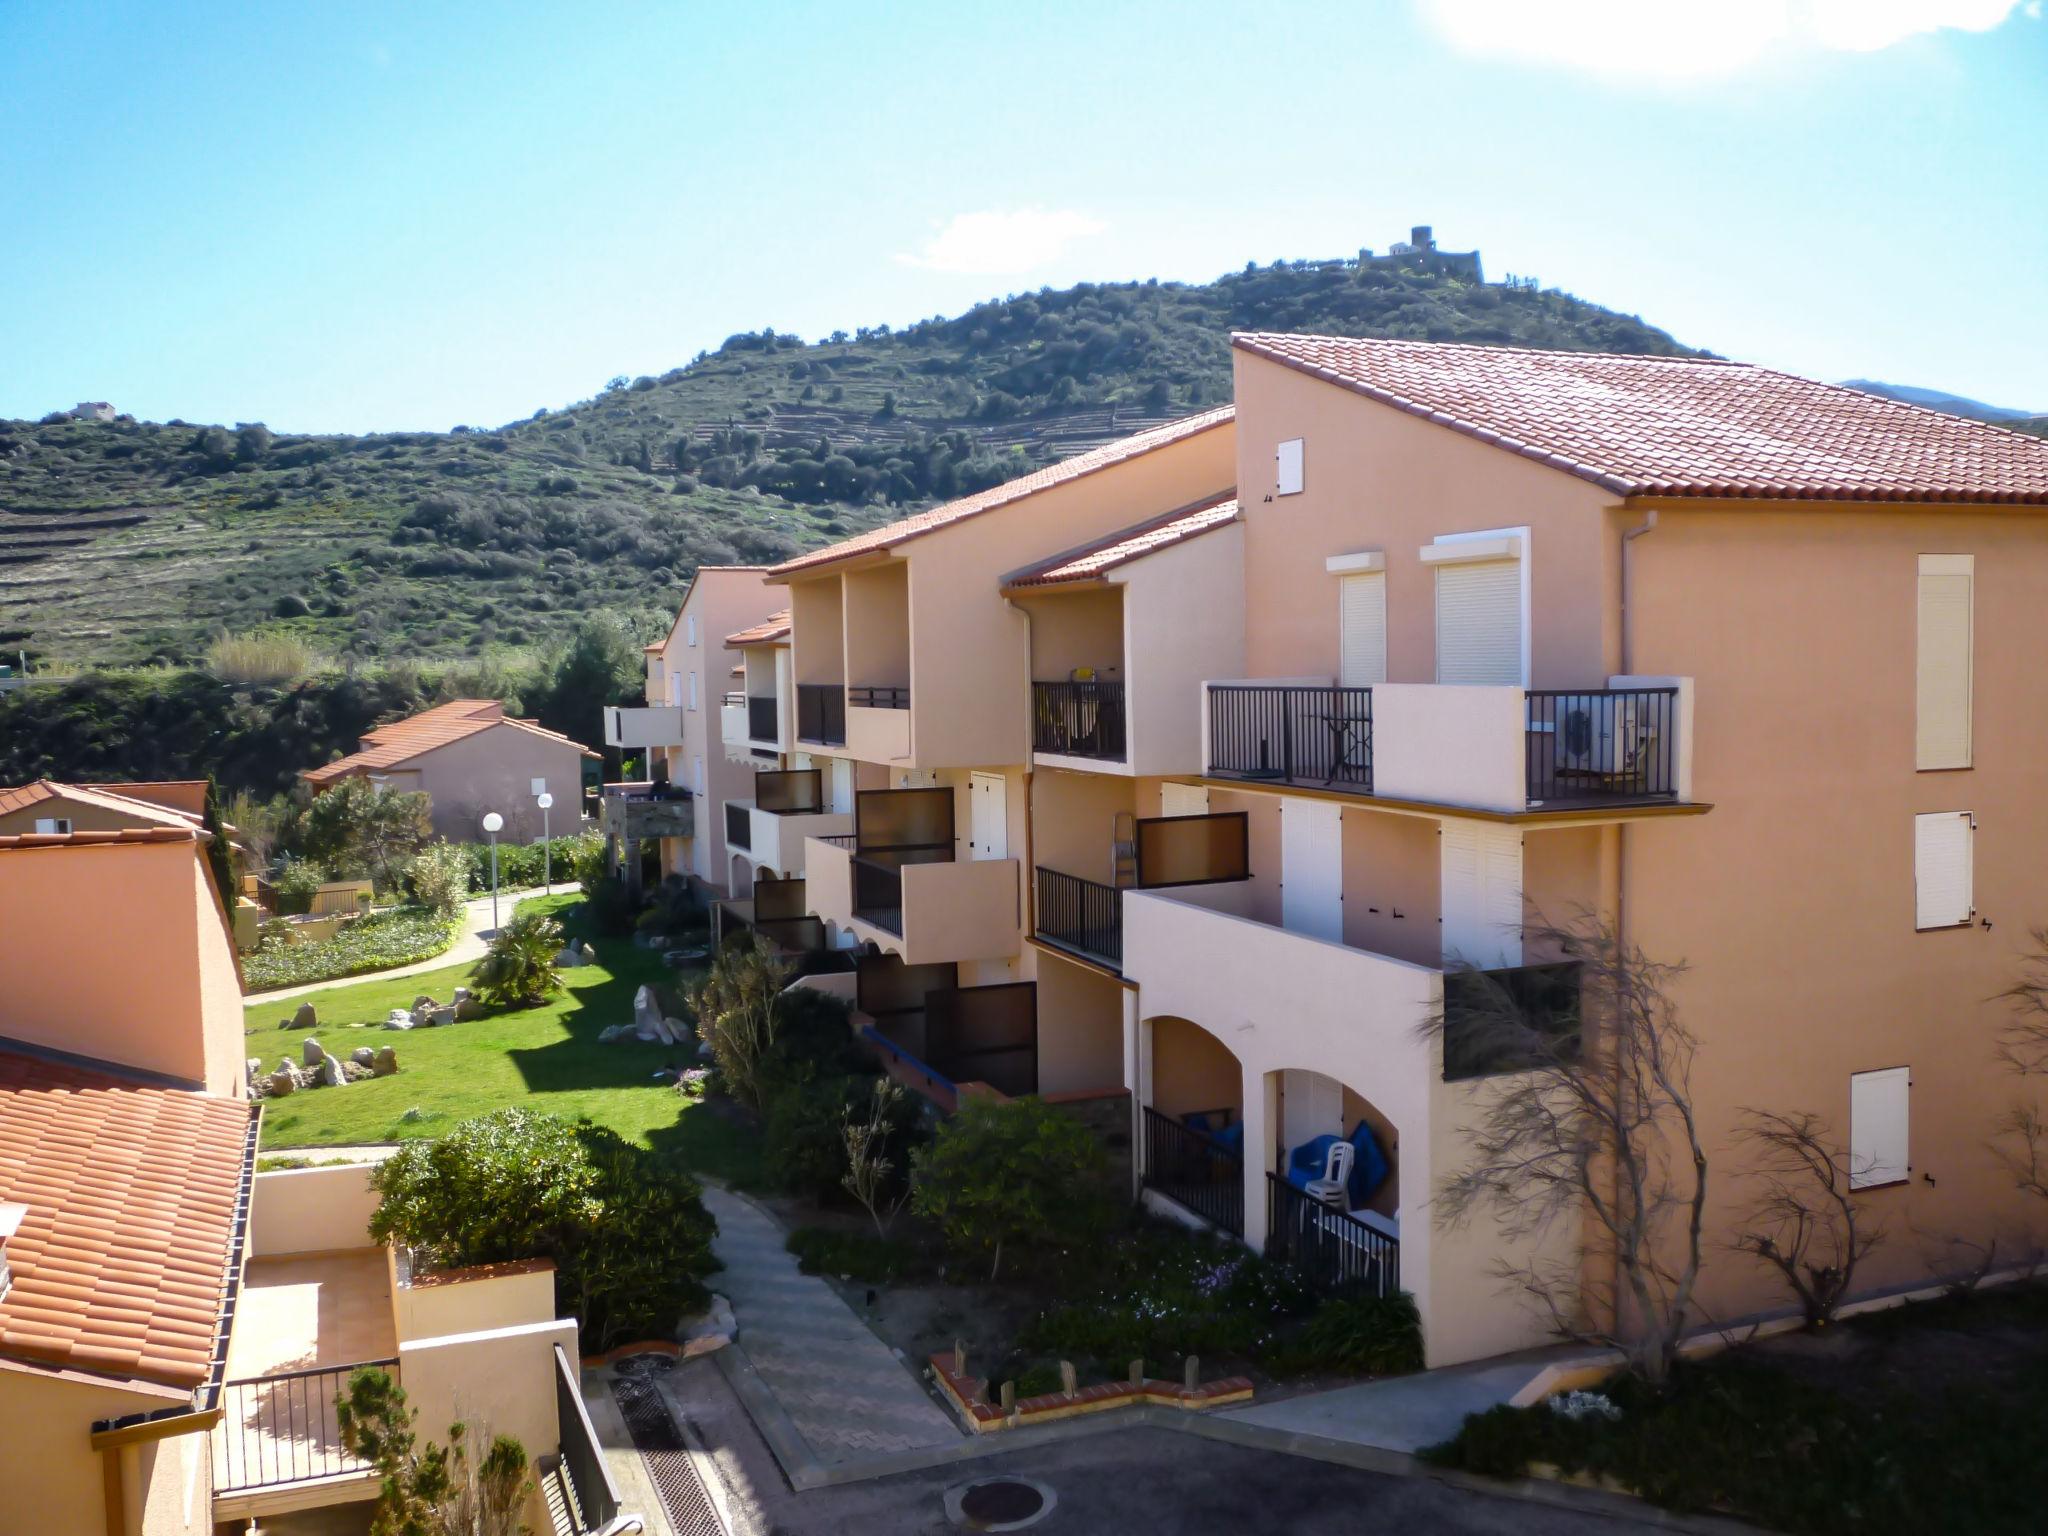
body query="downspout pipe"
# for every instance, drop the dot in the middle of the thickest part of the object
(1628, 655)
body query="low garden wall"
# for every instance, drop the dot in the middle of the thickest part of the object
(476, 1300)
(310, 1210)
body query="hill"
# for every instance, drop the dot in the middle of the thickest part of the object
(128, 542)
(1940, 400)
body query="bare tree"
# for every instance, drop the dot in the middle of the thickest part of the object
(1586, 1112)
(2021, 1140)
(868, 1165)
(1804, 1222)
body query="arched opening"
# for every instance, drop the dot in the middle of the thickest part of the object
(742, 885)
(1314, 1112)
(1191, 1123)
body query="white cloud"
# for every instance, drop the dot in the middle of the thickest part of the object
(1001, 243)
(1694, 38)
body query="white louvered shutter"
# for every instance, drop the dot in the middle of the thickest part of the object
(1362, 601)
(1942, 737)
(1878, 1124)
(1942, 874)
(1287, 468)
(1482, 894)
(1312, 868)
(1479, 622)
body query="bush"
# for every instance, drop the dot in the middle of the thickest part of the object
(737, 1016)
(626, 1228)
(439, 878)
(358, 829)
(859, 1256)
(263, 658)
(525, 864)
(806, 1134)
(1016, 1173)
(296, 883)
(1374, 1335)
(374, 943)
(518, 970)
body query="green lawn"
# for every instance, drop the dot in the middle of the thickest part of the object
(547, 1058)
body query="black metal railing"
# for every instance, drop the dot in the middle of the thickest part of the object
(821, 713)
(761, 722)
(878, 696)
(1194, 1171)
(1078, 719)
(1291, 734)
(1081, 916)
(283, 1428)
(739, 826)
(840, 839)
(878, 882)
(1602, 745)
(596, 1495)
(1330, 1248)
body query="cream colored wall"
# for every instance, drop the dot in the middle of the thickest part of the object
(477, 1304)
(964, 910)
(1075, 627)
(46, 1424)
(173, 1485)
(1191, 1069)
(1462, 745)
(1258, 897)
(1073, 820)
(1378, 478)
(493, 770)
(1184, 624)
(1080, 1028)
(118, 952)
(1393, 884)
(310, 1210)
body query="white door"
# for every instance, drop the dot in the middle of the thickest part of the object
(1183, 800)
(1362, 620)
(988, 825)
(1479, 622)
(1482, 894)
(1312, 868)
(1311, 1105)
(842, 785)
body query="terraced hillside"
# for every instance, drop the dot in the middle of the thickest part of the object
(128, 542)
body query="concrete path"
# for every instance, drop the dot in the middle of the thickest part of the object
(477, 933)
(1402, 1413)
(806, 1364)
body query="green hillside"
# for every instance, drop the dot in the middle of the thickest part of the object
(130, 542)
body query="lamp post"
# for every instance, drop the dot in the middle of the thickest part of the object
(547, 846)
(493, 822)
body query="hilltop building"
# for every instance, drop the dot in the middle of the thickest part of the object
(1419, 253)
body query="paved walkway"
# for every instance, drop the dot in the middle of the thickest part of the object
(845, 1393)
(476, 938)
(1403, 1413)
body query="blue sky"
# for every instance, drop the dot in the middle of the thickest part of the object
(395, 216)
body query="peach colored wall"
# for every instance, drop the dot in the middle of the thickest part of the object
(817, 629)
(46, 1424)
(1080, 1028)
(483, 1302)
(1076, 627)
(1378, 478)
(1392, 885)
(118, 952)
(1566, 872)
(493, 770)
(1792, 902)
(84, 816)
(310, 1210)
(1259, 897)
(1183, 624)
(1074, 820)
(500, 1382)
(877, 606)
(1191, 1069)
(173, 1485)
(965, 910)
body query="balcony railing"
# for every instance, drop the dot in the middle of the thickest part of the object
(1331, 1248)
(739, 826)
(761, 722)
(1079, 719)
(581, 1480)
(878, 696)
(1602, 745)
(1194, 1171)
(1291, 734)
(1081, 916)
(821, 713)
(878, 882)
(283, 1428)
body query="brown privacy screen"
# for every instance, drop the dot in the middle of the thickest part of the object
(800, 790)
(778, 899)
(902, 818)
(985, 1035)
(1194, 850)
(886, 985)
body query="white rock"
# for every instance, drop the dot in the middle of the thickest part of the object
(362, 1055)
(713, 1331)
(331, 1073)
(310, 1051)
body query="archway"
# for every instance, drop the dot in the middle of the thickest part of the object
(742, 882)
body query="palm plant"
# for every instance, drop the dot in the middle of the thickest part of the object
(518, 970)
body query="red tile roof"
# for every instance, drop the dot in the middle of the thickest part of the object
(25, 840)
(1672, 426)
(107, 797)
(1092, 561)
(122, 1263)
(401, 741)
(774, 627)
(935, 518)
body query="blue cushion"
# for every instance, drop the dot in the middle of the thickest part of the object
(1231, 1137)
(1368, 1165)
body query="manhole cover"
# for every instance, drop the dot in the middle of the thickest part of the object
(999, 1504)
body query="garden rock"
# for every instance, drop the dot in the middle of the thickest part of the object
(355, 1072)
(462, 994)
(305, 1018)
(253, 1070)
(278, 1084)
(467, 1008)
(398, 1019)
(385, 1062)
(573, 954)
(613, 1032)
(424, 1000)
(443, 1016)
(713, 1331)
(362, 1055)
(310, 1051)
(331, 1075)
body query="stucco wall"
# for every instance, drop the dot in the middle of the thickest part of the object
(877, 617)
(493, 770)
(1076, 627)
(500, 1382)
(1074, 821)
(46, 1424)
(1080, 1028)
(1184, 623)
(475, 1301)
(84, 816)
(1393, 884)
(310, 1210)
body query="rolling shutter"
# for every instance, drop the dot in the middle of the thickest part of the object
(1942, 737)
(1878, 1152)
(1312, 868)
(1183, 800)
(1479, 622)
(1362, 601)
(1942, 875)
(1482, 894)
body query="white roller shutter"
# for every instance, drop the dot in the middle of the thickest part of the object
(1482, 894)
(1312, 868)
(1943, 879)
(1183, 800)
(1362, 601)
(1479, 622)
(1942, 695)
(1878, 1116)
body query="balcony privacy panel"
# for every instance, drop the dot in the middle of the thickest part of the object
(1511, 1019)
(903, 818)
(985, 1034)
(1194, 850)
(885, 985)
(761, 722)
(776, 900)
(789, 791)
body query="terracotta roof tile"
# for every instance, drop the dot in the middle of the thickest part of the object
(935, 518)
(1091, 561)
(774, 627)
(107, 797)
(1681, 426)
(121, 1264)
(401, 741)
(27, 840)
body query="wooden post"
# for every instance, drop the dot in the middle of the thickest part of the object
(959, 1357)
(1137, 1373)
(1067, 1380)
(1191, 1372)
(1009, 1397)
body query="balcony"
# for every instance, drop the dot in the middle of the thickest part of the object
(1082, 917)
(750, 726)
(762, 724)
(634, 811)
(1499, 749)
(787, 809)
(1078, 719)
(921, 904)
(878, 722)
(650, 725)
(821, 714)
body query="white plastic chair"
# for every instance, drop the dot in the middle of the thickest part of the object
(1333, 1188)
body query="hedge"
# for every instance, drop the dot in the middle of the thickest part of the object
(374, 943)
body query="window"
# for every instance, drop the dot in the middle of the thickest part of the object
(1482, 612)
(690, 628)
(1287, 467)
(53, 826)
(1943, 896)
(1942, 692)
(1362, 624)
(1877, 1127)
(693, 690)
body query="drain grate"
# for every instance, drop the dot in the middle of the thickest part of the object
(661, 1447)
(999, 1504)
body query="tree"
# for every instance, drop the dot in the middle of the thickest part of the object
(2021, 1140)
(738, 1016)
(439, 877)
(518, 970)
(220, 853)
(1804, 1222)
(1014, 1173)
(362, 829)
(1587, 1114)
(869, 1168)
(430, 1490)
(600, 662)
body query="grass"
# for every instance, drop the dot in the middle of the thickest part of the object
(547, 1058)
(379, 942)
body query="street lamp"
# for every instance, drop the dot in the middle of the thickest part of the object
(547, 847)
(493, 824)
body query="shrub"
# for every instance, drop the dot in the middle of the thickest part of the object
(626, 1228)
(736, 1012)
(262, 658)
(806, 1133)
(860, 1256)
(466, 1488)
(524, 864)
(296, 883)
(1377, 1335)
(362, 829)
(518, 970)
(374, 943)
(1016, 1173)
(439, 878)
